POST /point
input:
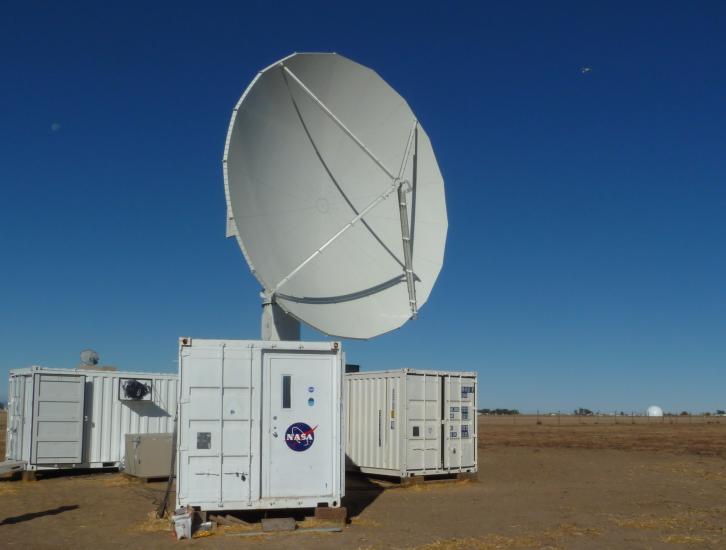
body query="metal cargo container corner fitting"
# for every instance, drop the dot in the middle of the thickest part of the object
(77, 418)
(260, 424)
(411, 422)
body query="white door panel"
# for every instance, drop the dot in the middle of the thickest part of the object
(461, 422)
(58, 419)
(424, 422)
(215, 418)
(297, 424)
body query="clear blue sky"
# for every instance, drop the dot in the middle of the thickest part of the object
(586, 258)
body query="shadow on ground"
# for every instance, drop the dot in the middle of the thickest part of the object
(360, 493)
(33, 515)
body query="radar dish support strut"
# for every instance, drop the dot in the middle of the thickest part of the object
(403, 188)
(399, 185)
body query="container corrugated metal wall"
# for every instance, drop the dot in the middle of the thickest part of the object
(16, 411)
(411, 422)
(372, 421)
(107, 418)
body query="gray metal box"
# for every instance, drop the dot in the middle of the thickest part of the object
(148, 455)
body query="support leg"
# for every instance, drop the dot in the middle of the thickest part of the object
(29, 475)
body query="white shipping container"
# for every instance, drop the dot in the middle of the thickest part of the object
(411, 422)
(78, 418)
(260, 424)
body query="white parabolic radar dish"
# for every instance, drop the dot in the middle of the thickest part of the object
(334, 195)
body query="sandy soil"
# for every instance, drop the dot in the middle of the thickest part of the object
(682, 435)
(540, 486)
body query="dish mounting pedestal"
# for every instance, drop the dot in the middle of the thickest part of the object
(276, 324)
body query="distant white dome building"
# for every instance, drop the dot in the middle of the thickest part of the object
(654, 410)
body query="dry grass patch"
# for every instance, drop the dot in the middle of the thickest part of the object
(692, 527)
(688, 539)
(690, 520)
(550, 538)
(436, 485)
(363, 522)
(314, 523)
(238, 528)
(152, 524)
(116, 480)
(689, 470)
(8, 488)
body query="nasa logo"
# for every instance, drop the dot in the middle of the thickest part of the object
(300, 436)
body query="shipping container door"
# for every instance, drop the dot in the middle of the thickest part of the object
(299, 425)
(57, 436)
(460, 406)
(16, 418)
(216, 433)
(423, 404)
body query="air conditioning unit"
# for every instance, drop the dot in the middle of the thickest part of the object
(135, 389)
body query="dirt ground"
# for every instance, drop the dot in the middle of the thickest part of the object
(568, 485)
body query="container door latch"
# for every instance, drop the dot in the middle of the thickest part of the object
(241, 475)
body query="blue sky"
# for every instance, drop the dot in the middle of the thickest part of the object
(586, 257)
